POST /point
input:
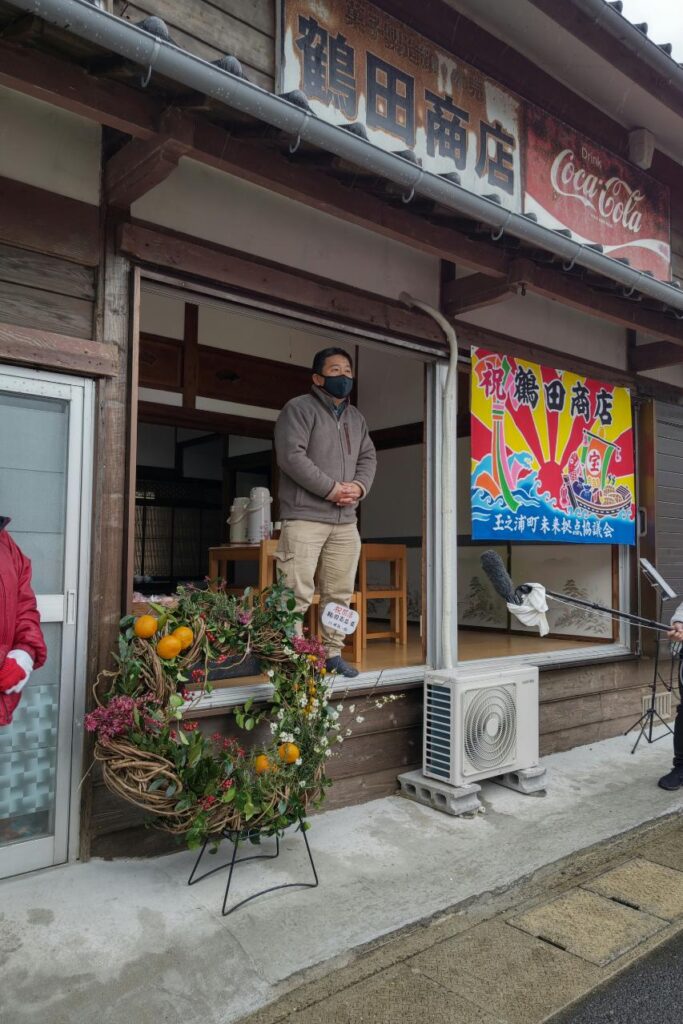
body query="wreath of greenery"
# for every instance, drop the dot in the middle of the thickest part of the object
(198, 785)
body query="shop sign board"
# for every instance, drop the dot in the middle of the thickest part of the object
(572, 183)
(552, 456)
(358, 65)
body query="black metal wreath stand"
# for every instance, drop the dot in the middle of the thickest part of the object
(235, 836)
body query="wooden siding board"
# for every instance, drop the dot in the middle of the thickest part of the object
(56, 351)
(42, 221)
(260, 14)
(205, 31)
(36, 270)
(34, 307)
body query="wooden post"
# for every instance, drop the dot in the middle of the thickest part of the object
(110, 507)
(191, 355)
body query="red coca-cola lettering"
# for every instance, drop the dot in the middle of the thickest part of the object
(612, 199)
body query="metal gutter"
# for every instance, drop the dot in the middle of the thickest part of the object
(106, 30)
(610, 20)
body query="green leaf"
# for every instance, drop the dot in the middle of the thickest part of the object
(171, 789)
(157, 784)
(291, 604)
(184, 804)
(175, 701)
(282, 806)
(249, 724)
(248, 704)
(228, 796)
(183, 738)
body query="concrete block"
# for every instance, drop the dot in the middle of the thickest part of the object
(525, 780)
(453, 800)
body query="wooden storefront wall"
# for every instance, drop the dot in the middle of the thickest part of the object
(67, 291)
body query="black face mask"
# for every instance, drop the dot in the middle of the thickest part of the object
(338, 387)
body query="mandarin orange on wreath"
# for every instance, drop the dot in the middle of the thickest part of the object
(185, 635)
(145, 626)
(289, 752)
(168, 647)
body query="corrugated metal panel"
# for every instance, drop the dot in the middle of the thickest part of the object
(670, 494)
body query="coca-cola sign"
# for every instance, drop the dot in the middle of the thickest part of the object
(570, 182)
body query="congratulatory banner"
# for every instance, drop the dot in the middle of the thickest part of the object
(552, 455)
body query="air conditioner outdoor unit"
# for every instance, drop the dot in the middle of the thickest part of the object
(479, 725)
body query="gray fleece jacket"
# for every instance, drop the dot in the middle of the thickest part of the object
(317, 449)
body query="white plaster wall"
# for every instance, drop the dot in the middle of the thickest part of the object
(162, 311)
(393, 508)
(207, 203)
(390, 388)
(49, 148)
(541, 321)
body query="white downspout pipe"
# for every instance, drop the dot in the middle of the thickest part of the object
(448, 505)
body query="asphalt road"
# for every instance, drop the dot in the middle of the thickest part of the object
(649, 992)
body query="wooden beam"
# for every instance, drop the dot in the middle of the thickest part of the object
(655, 355)
(142, 164)
(48, 351)
(465, 294)
(182, 253)
(397, 437)
(571, 292)
(191, 355)
(140, 115)
(33, 218)
(69, 87)
(262, 166)
(200, 419)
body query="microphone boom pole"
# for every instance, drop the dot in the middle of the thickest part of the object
(493, 566)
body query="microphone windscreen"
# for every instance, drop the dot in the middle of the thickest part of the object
(493, 566)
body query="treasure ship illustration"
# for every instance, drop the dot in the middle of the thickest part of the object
(590, 485)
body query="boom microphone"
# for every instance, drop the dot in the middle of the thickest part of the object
(500, 580)
(499, 577)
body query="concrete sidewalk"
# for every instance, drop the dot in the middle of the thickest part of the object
(129, 941)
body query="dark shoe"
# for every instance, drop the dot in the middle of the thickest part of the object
(340, 667)
(674, 780)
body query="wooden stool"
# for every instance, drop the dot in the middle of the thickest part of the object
(396, 592)
(221, 557)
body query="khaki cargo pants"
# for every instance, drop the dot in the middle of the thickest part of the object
(330, 551)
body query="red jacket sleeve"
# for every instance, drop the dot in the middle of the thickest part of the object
(28, 635)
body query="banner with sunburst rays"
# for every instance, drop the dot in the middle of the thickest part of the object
(552, 454)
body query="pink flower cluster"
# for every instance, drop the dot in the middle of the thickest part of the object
(311, 646)
(244, 618)
(112, 721)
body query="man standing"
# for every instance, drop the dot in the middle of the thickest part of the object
(675, 777)
(22, 647)
(327, 464)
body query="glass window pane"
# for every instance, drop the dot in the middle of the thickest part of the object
(28, 752)
(33, 482)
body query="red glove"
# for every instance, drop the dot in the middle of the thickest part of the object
(10, 674)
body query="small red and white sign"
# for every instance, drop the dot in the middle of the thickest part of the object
(572, 183)
(339, 617)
